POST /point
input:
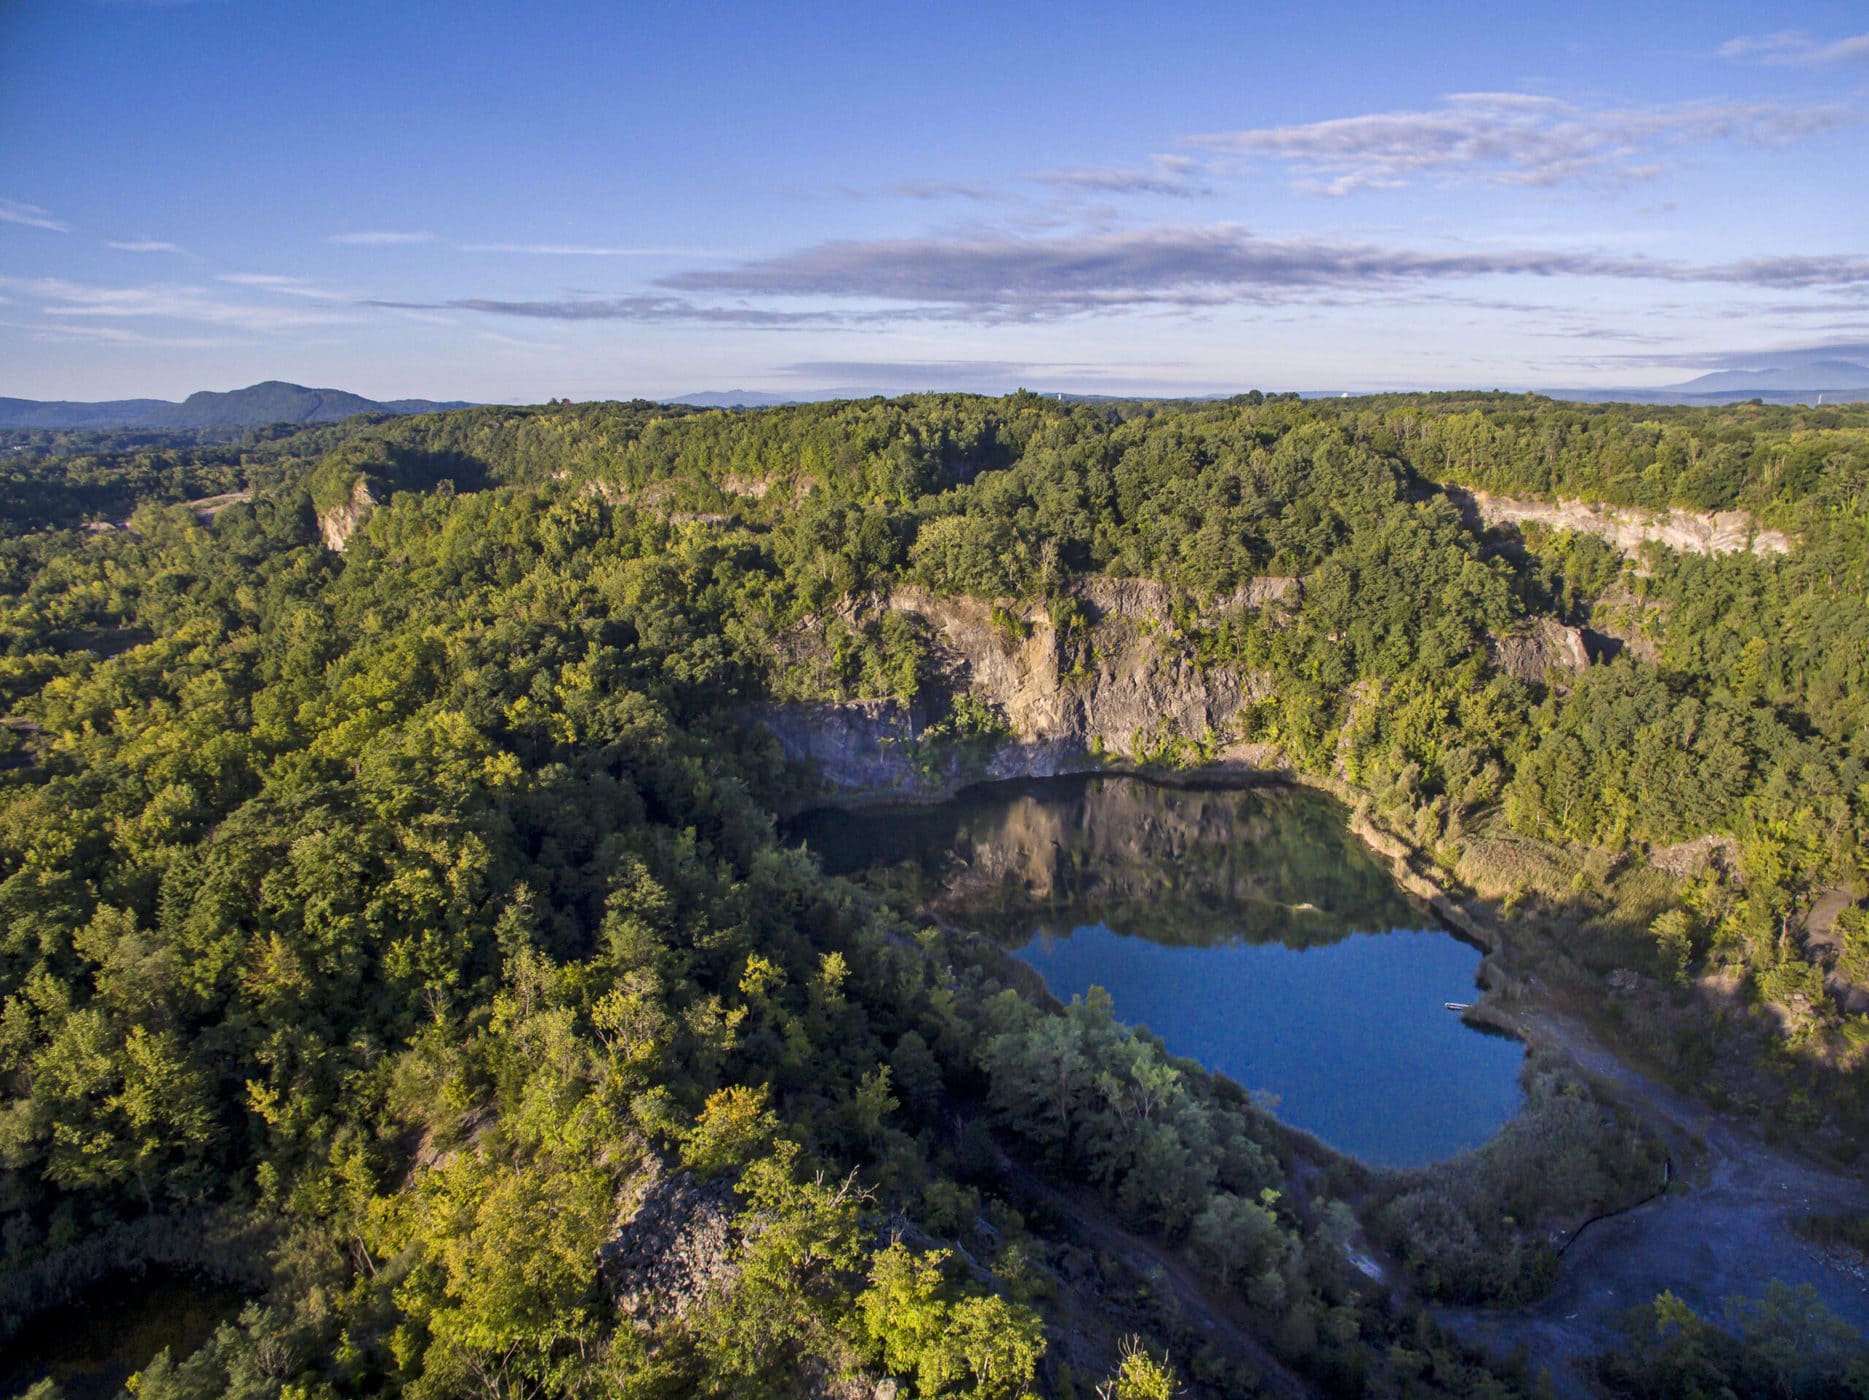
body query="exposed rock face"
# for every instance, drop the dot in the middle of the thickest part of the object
(208, 507)
(1624, 621)
(1262, 592)
(1132, 680)
(1128, 685)
(677, 1247)
(337, 524)
(1687, 859)
(1533, 650)
(1146, 600)
(854, 744)
(1628, 528)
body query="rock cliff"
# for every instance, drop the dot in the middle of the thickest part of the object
(336, 524)
(1123, 685)
(678, 1245)
(1628, 528)
(1538, 647)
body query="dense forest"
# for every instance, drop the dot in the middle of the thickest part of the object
(380, 926)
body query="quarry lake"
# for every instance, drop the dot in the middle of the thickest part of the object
(1245, 927)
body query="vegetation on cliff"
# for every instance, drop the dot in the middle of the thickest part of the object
(415, 904)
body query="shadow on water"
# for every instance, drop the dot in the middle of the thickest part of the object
(1245, 926)
(95, 1343)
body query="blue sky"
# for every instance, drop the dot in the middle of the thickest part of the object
(513, 202)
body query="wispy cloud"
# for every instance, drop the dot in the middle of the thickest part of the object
(425, 318)
(143, 245)
(1178, 176)
(71, 302)
(636, 308)
(1175, 176)
(1795, 48)
(1763, 45)
(31, 216)
(1512, 138)
(584, 250)
(517, 342)
(285, 286)
(1008, 278)
(381, 238)
(940, 189)
(114, 335)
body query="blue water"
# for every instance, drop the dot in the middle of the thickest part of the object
(1351, 1038)
(1246, 927)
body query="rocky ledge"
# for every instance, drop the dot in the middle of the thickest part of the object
(677, 1246)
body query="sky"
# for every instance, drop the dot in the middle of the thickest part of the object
(514, 202)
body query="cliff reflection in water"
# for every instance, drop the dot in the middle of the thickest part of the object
(1174, 865)
(1247, 928)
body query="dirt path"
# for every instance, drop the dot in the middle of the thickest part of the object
(1725, 1230)
(1217, 1316)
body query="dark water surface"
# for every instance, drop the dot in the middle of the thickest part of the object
(92, 1345)
(1247, 928)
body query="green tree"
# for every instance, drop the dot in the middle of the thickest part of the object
(919, 1323)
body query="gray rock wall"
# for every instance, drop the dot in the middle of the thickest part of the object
(1130, 686)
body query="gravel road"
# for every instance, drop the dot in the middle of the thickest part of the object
(1724, 1230)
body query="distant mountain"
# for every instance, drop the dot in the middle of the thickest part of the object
(734, 398)
(1824, 376)
(1687, 398)
(1775, 376)
(61, 414)
(256, 406)
(759, 398)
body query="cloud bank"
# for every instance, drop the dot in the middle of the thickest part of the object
(656, 309)
(1511, 138)
(1003, 277)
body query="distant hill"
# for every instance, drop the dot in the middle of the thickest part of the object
(1798, 378)
(760, 398)
(1711, 398)
(1822, 377)
(256, 406)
